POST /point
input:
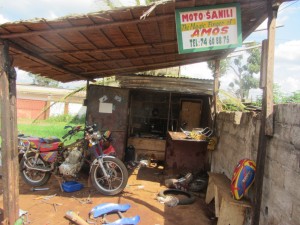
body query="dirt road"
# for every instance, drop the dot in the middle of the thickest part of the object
(140, 193)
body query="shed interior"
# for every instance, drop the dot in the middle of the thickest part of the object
(154, 113)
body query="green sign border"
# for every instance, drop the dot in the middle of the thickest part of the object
(179, 33)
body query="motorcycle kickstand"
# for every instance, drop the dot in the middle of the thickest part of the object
(59, 179)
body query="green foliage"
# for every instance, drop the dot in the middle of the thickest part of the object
(67, 119)
(170, 72)
(228, 102)
(293, 98)
(43, 81)
(48, 129)
(280, 98)
(224, 66)
(244, 73)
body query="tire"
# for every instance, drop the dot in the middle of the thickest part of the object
(187, 200)
(118, 180)
(33, 177)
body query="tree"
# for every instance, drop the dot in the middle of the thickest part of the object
(224, 66)
(293, 98)
(43, 81)
(244, 73)
(280, 98)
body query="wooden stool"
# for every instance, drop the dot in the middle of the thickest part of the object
(228, 210)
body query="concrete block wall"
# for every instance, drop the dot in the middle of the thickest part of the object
(238, 138)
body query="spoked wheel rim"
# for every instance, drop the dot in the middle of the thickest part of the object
(115, 179)
(34, 176)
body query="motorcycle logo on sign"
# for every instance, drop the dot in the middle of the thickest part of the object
(208, 28)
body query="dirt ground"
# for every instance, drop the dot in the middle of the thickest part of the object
(143, 185)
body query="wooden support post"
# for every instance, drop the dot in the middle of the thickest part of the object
(266, 129)
(47, 113)
(86, 100)
(169, 112)
(9, 136)
(66, 108)
(216, 91)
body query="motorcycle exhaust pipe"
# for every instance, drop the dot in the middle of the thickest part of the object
(37, 168)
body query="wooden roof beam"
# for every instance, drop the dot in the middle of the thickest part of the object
(87, 27)
(91, 63)
(114, 49)
(147, 67)
(36, 58)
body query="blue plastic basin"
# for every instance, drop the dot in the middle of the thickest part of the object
(71, 186)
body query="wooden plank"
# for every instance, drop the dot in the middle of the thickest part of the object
(223, 184)
(171, 63)
(153, 148)
(263, 64)
(266, 128)
(87, 27)
(269, 130)
(210, 192)
(148, 144)
(9, 137)
(36, 58)
(227, 209)
(147, 154)
(218, 199)
(215, 92)
(231, 214)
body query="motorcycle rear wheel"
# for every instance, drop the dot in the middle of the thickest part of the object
(117, 180)
(33, 177)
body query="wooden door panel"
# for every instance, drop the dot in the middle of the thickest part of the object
(191, 114)
(115, 118)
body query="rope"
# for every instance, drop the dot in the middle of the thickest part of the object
(149, 11)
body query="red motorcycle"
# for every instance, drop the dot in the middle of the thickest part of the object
(46, 156)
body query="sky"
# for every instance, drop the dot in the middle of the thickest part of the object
(287, 42)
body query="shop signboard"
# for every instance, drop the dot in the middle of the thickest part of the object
(208, 28)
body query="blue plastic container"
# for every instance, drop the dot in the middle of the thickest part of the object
(71, 186)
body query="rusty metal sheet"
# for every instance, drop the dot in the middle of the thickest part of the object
(115, 117)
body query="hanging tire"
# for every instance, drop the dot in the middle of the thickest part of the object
(187, 198)
(33, 177)
(117, 180)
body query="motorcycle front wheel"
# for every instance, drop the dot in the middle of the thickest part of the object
(116, 180)
(31, 176)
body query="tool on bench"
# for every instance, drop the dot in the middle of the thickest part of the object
(109, 208)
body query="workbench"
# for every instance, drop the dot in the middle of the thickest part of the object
(153, 148)
(184, 153)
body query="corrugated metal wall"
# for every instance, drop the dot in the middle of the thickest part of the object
(30, 109)
(115, 119)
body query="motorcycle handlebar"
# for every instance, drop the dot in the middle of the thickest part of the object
(66, 135)
(72, 131)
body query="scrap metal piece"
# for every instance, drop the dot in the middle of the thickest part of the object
(106, 208)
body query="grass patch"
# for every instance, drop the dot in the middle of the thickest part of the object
(67, 119)
(54, 126)
(48, 129)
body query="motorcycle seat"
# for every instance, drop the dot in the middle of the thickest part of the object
(49, 140)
